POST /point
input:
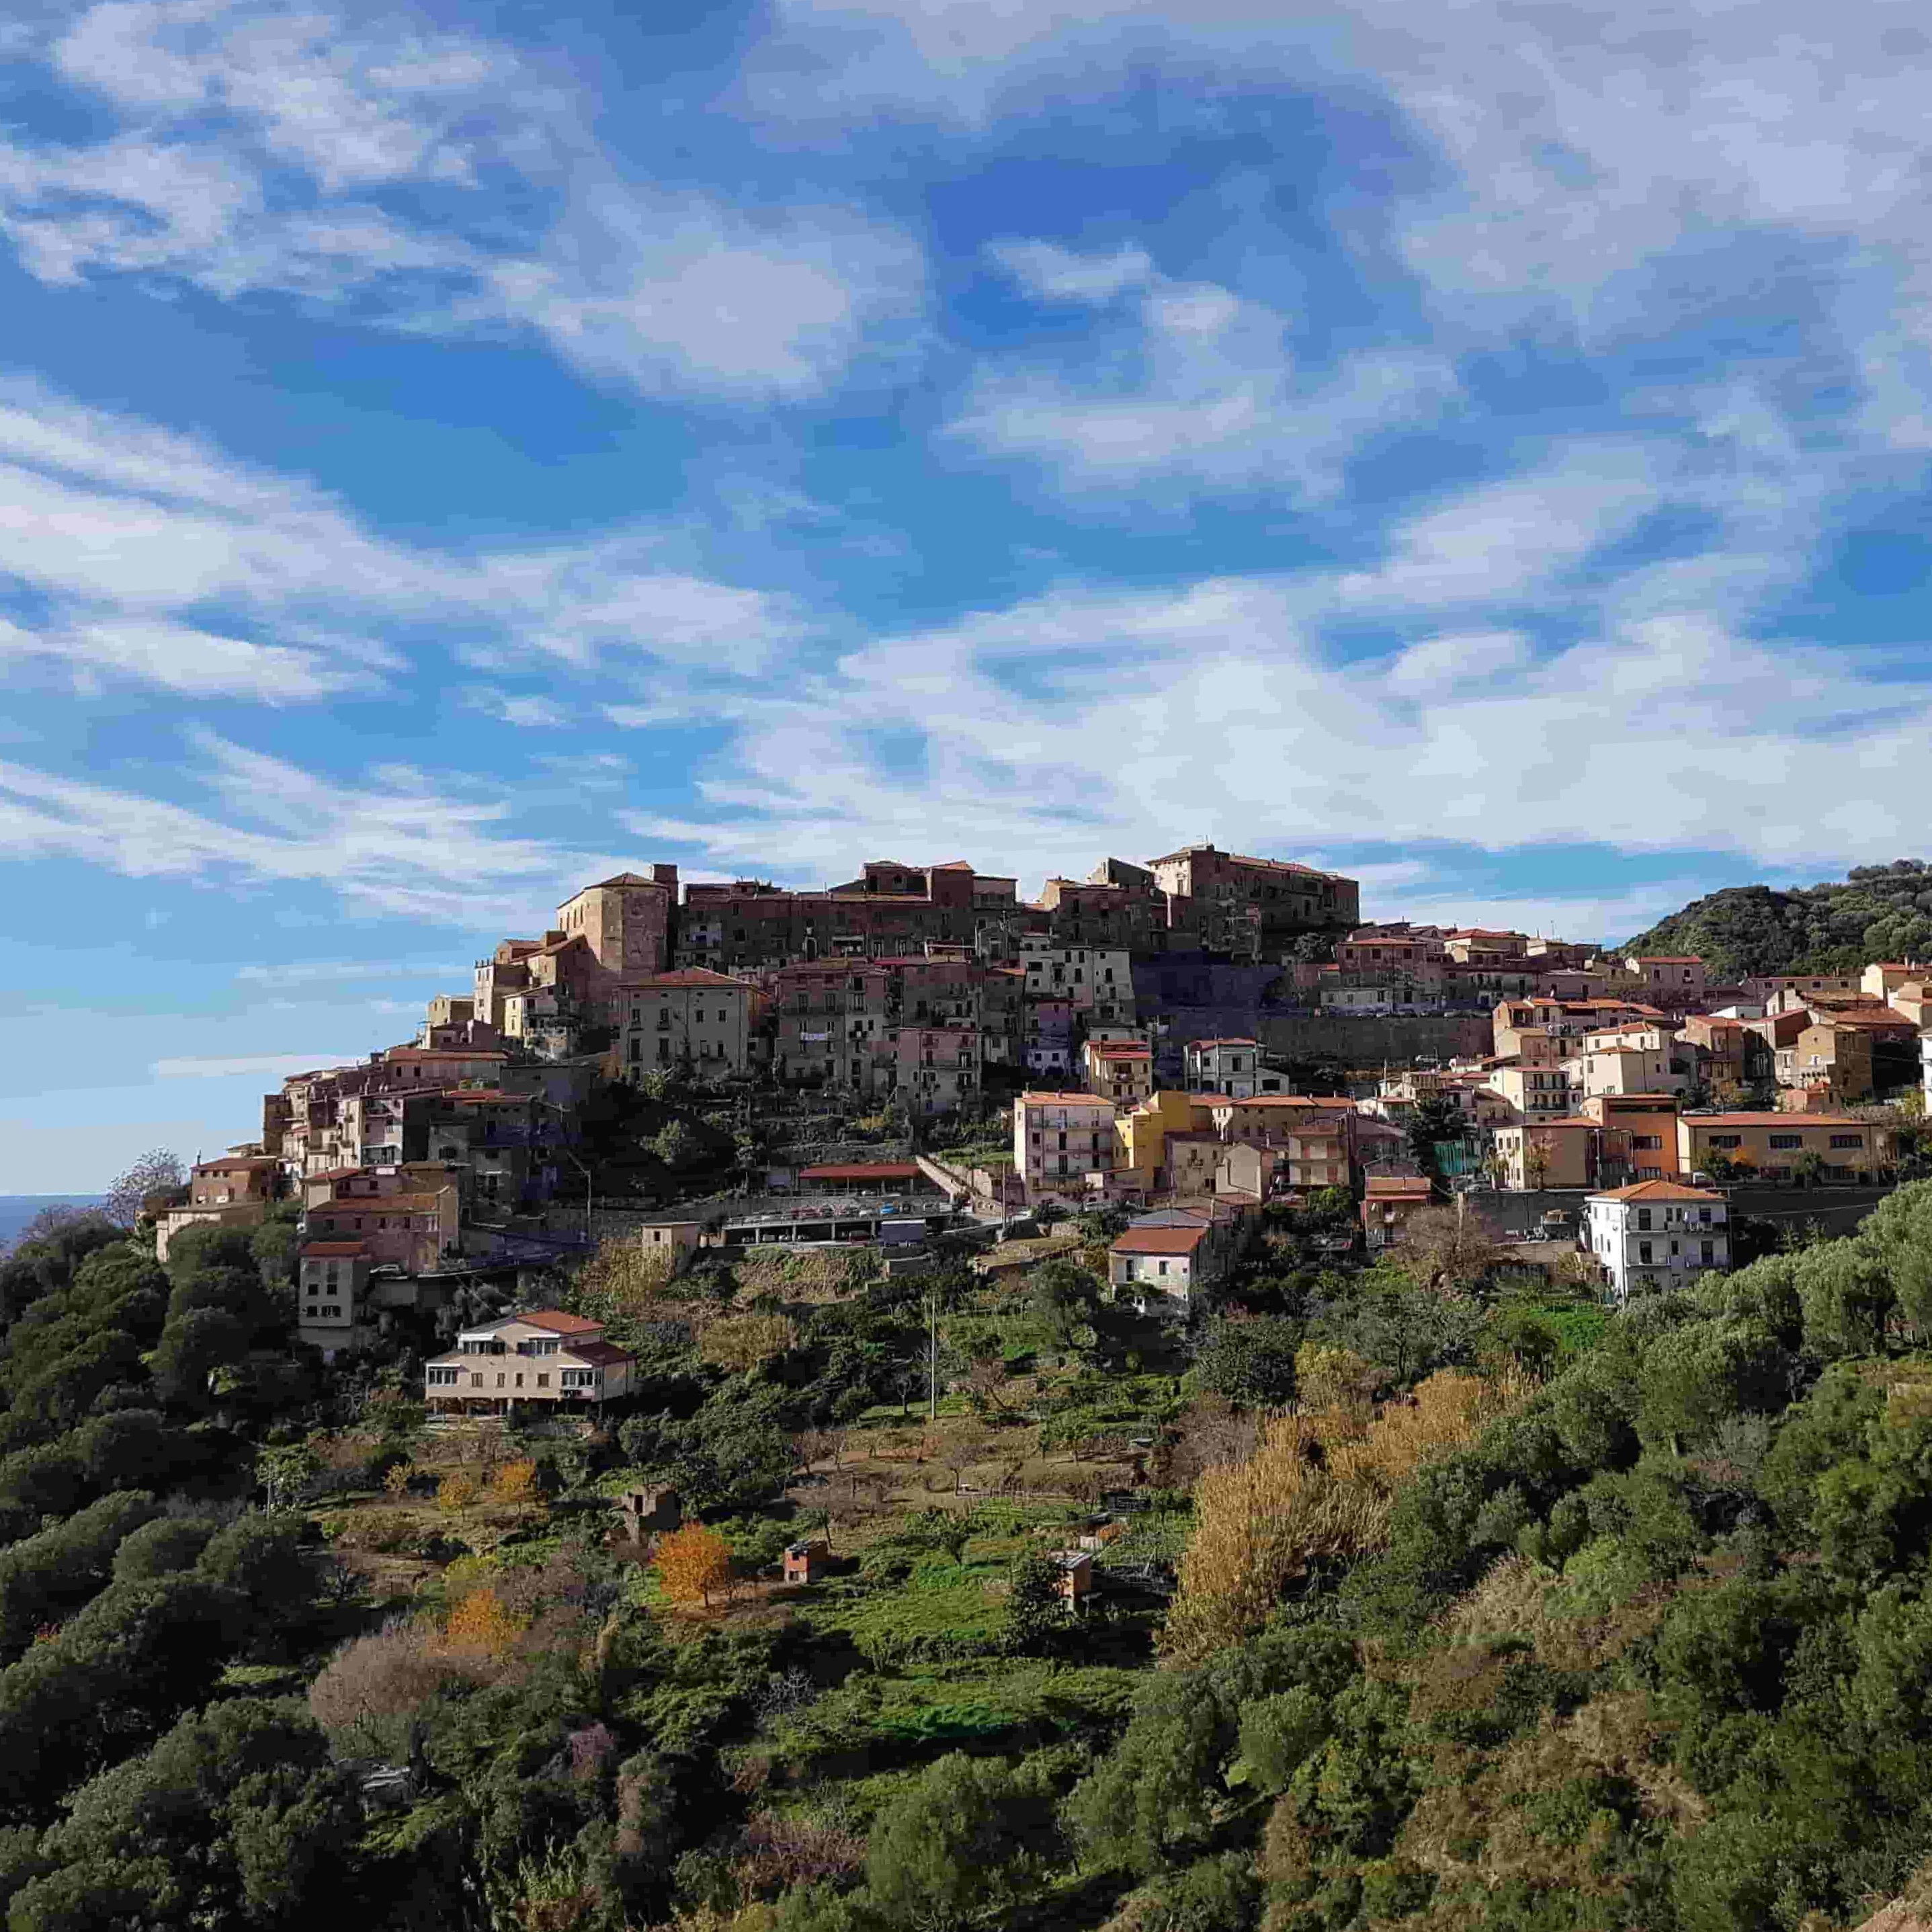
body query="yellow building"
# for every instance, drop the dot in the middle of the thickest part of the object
(1142, 1134)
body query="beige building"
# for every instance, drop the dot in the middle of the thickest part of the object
(1774, 1146)
(1553, 1153)
(1533, 1093)
(1060, 1139)
(1681, 975)
(691, 1021)
(235, 1191)
(1314, 1136)
(543, 1357)
(1387, 1201)
(332, 1290)
(1120, 1071)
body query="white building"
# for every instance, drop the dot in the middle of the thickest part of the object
(1925, 1061)
(1231, 1066)
(1060, 1139)
(1657, 1234)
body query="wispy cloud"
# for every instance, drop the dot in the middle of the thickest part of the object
(432, 180)
(268, 1065)
(149, 557)
(438, 847)
(1186, 381)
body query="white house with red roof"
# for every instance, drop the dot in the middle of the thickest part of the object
(1657, 1234)
(541, 1355)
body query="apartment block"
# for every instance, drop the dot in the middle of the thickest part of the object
(1061, 1138)
(1657, 1234)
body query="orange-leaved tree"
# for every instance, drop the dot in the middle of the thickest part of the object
(483, 1625)
(693, 1562)
(515, 1482)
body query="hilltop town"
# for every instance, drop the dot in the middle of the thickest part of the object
(1183, 1043)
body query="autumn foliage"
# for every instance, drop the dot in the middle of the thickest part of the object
(483, 1625)
(458, 1490)
(693, 1563)
(1321, 1485)
(515, 1483)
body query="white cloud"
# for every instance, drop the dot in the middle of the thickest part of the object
(398, 840)
(176, 657)
(1191, 383)
(269, 1065)
(332, 972)
(527, 713)
(1050, 273)
(430, 180)
(157, 558)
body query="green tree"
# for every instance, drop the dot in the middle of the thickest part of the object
(1252, 1363)
(1035, 1612)
(1436, 1118)
(960, 1847)
(236, 1817)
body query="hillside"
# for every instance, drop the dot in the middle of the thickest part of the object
(1880, 912)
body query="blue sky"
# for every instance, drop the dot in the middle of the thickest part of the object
(444, 454)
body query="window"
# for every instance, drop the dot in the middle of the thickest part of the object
(1710, 1252)
(1787, 1140)
(1848, 1140)
(1643, 1218)
(1727, 1140)
(499, 1378)
(476, 1382)
(543, 1382)
(579, 1378)
(441, 1378)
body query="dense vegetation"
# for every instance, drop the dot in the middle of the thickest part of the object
(1446, 1600)
(1880, 912)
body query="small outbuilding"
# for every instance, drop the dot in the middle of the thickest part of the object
(807, 1561)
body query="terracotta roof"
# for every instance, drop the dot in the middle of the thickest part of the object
(1065, 1100)
(1158, 1241)
(620, 879)
(1193, 1044)
(1656, 1190)
(445, 1053)
(1289, 1100)
(558, 1322)
(861, 1170)
(377, 1204)
(684, 976)
(1721, 1121)
(1884, 1017)
(229, 1162)
(1118, 1050)
(1669, 958)
(314, 1249)
(599, 1355)
(1409, 1187)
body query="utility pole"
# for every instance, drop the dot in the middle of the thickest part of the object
(931, 1355)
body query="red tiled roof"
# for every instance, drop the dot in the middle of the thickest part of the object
(558, 1322)
(863, 1170)
(1158, 1241)
(684, 976)
(1669, 958)
(377, 1204)
(599, 1355)
(1065, 1100)
(1408, 1186)
(1656, 1190)
(445, 1053)
(1721, 1121)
